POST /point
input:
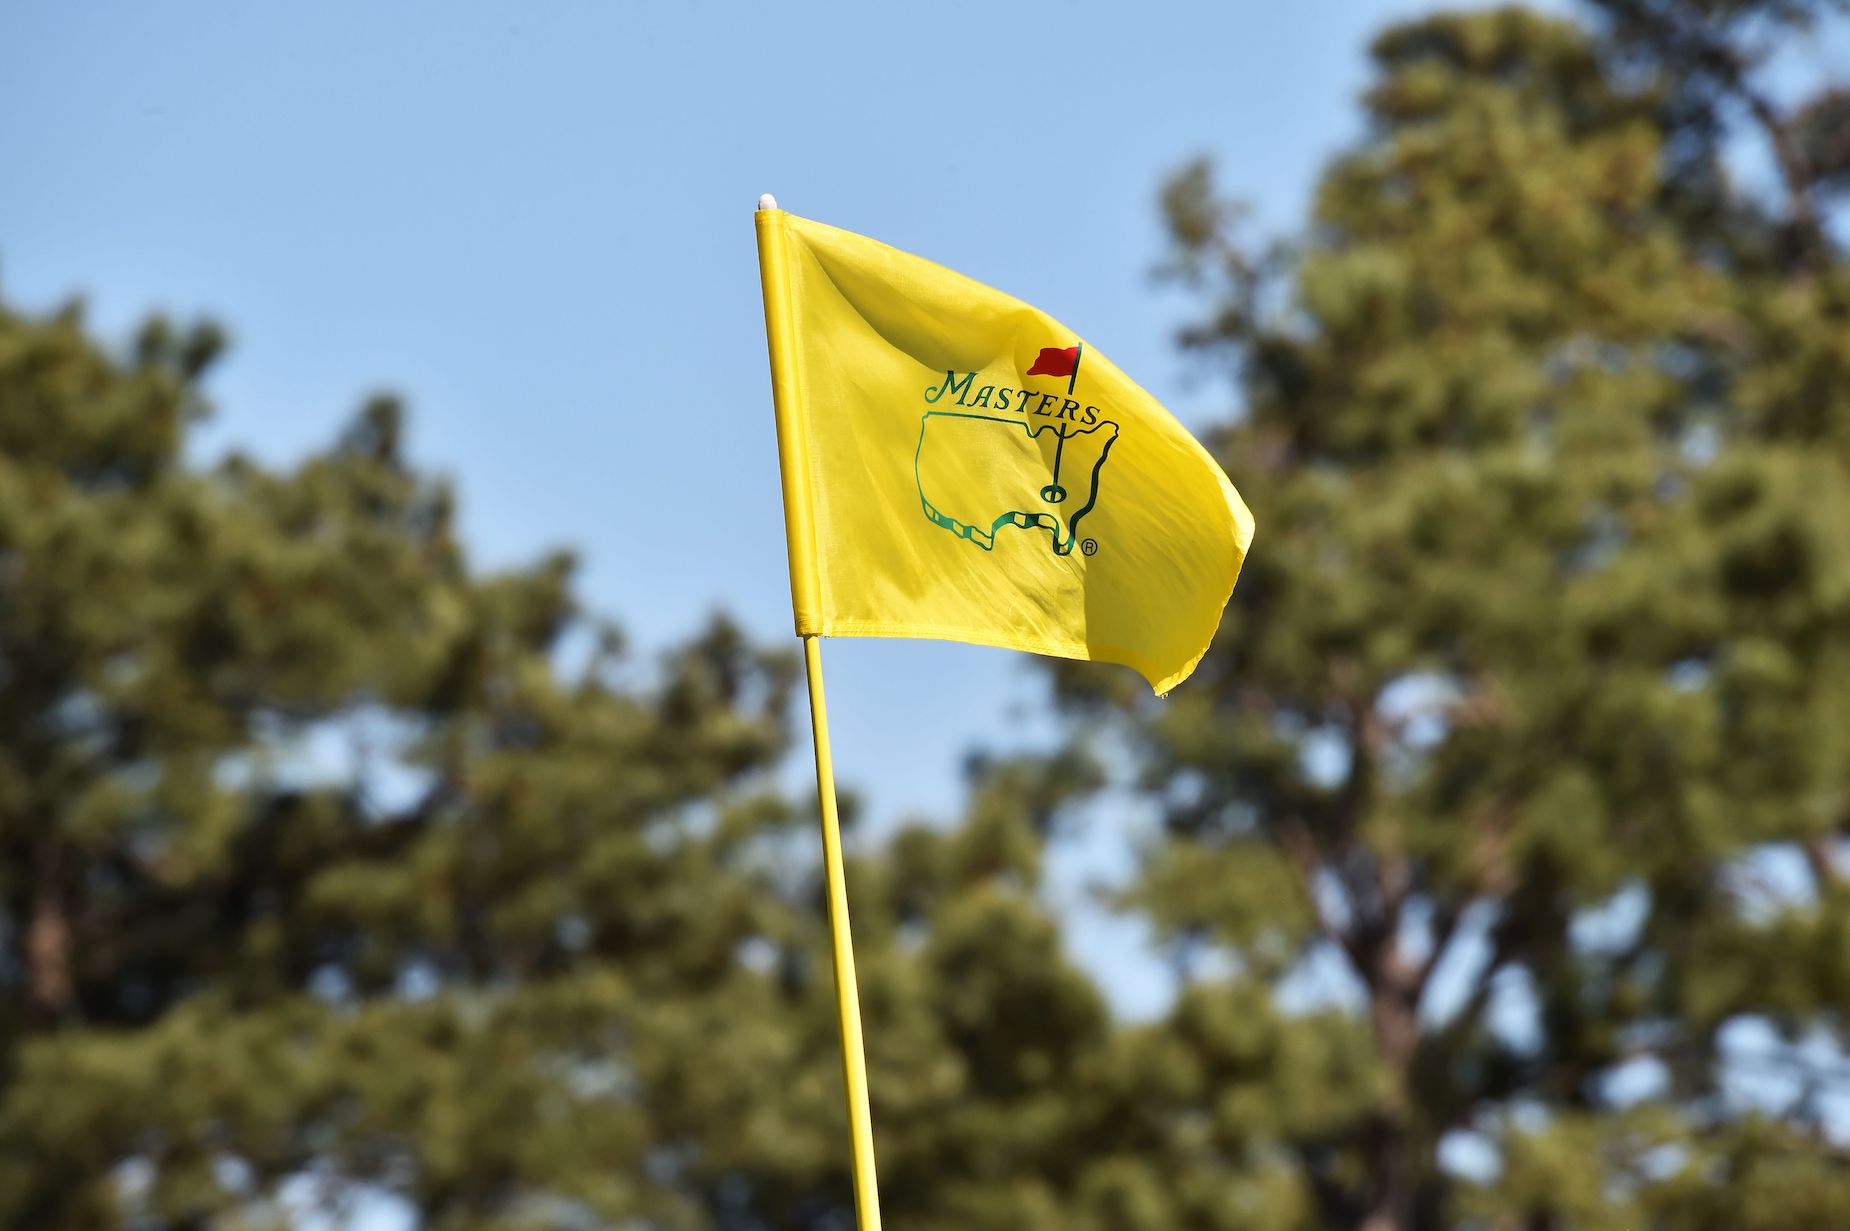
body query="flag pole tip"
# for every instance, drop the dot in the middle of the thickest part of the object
(767, 201)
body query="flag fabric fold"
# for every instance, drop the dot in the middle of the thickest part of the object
(939, 482)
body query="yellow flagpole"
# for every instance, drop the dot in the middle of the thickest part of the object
(800, 534)
(847, 994)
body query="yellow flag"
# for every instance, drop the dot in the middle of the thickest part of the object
(959, 465)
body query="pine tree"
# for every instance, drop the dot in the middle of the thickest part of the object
(1518, 779)
(319, 869)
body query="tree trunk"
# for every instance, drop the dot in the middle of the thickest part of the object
(48, 940)
(1392, 1164)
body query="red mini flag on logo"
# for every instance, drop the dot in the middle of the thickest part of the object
(1055, 361)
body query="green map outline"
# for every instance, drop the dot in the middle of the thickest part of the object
(986, 539)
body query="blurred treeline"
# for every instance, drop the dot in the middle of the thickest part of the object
(1505, 854)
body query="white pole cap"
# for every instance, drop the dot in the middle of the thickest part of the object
(767, 201)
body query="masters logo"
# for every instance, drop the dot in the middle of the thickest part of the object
(1003, 433)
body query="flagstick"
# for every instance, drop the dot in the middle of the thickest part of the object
(773, 272)
(847, 996)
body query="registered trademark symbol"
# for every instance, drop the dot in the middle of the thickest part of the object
(1090, 547)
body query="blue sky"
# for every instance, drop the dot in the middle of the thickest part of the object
(534, 221)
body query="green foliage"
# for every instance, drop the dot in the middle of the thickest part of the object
(464, 961)
(1530, 710)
